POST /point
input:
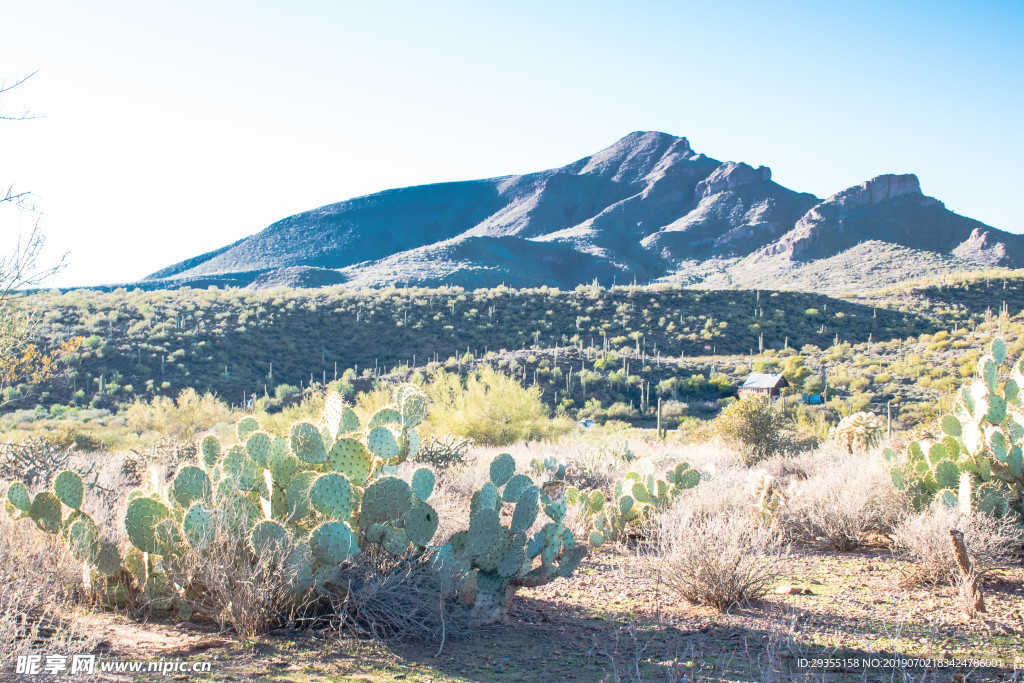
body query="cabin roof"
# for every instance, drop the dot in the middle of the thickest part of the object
(763, 381)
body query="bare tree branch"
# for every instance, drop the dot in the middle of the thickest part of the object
(5, 88)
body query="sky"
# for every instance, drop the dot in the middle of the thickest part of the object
(165, 130)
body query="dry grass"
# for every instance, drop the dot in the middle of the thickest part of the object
(842, 500)
(924, 539)
(40, 586)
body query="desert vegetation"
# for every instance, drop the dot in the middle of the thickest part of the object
(399, 522)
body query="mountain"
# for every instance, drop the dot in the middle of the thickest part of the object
(648, 209)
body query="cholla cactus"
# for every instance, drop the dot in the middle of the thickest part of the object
(859, 432)
(977, 465)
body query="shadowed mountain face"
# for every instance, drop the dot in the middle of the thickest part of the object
(647, 208)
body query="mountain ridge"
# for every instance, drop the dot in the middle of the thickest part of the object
(647, 208)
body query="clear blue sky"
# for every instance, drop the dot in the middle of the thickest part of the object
(170, 129)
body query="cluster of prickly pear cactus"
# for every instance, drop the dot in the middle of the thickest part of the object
(309, 500)
(499, 558)
(100, 558)
(634, 499)
(859, 432)
(977, 463)
(551, 465)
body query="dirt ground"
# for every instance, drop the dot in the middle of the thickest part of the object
(614, 620)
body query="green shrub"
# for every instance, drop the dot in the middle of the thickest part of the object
(182, 417)
(752, 427)
(489, 407)
(283, 391)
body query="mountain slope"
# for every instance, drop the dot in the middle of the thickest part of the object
(647, 208)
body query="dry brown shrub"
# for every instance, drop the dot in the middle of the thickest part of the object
(842, 501)
(40, 585)
(718, 558)
(235, 585)
(397, 599)
(924, 539)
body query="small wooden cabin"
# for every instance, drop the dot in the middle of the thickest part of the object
(759, 384)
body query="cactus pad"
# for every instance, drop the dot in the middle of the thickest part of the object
(141, 521)
(258, 447)
(420, 524)
(268, 536)
(490, 498)
(382, 443)
(502, 468)
(375, 532)
(199, 525)
(307, 444)
(240, 470)
(626, 505)
(69, 489)
(189, 485)
(245, 427)
(282, 464)
(209, 449)
(554, 508)
(525, 513)
(349, 421)
(296, 495)
(423, 484)
(515, 487)
(84, 539)
(46, 512)
(411, 404)
(386, 499)
(484, 532)
(489, 560)
(384, 416)
(333, 542)
(395, 541)
(515, 556)
(410, 443)
(331, 495)
(331, 417)
(18, 496)
(108, 559)
(349, 457)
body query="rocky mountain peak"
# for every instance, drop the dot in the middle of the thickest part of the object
(729, 176)
(888, 186)
(646, 207)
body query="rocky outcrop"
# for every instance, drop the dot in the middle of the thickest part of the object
(730, 176)
(883, 187)
(982, 247)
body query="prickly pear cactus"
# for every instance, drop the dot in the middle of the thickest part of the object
(634, 499)
(101, 560)
(309, 500)
(977, 464)
(496, 560)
